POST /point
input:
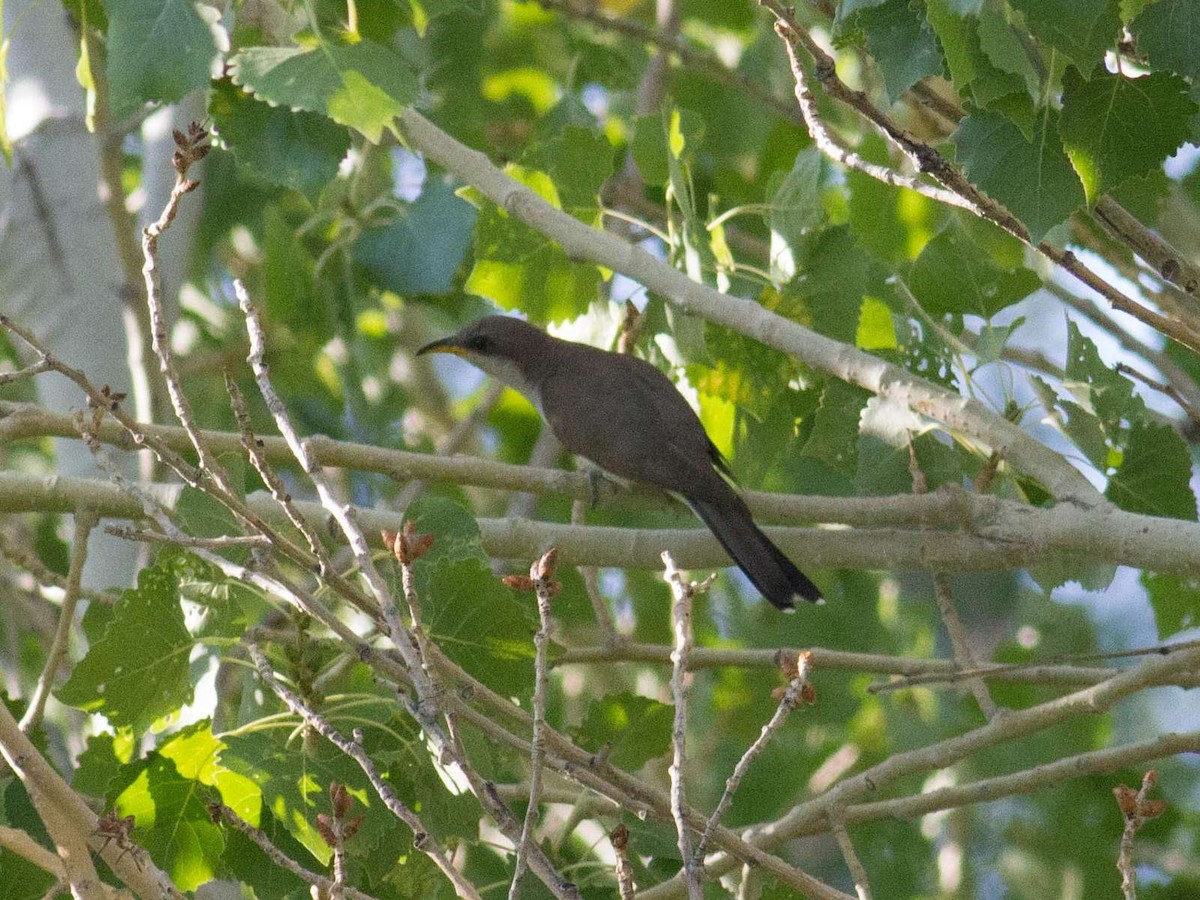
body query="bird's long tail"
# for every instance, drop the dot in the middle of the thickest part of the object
(775, 576)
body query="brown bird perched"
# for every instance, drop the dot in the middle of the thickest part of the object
(625, 416)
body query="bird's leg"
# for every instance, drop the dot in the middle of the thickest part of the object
(596, 478)
(599, 483)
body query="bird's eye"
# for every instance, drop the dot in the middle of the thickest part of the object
(478, 344)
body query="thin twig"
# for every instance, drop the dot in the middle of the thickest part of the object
(191, 148)
(832, 147)
(858, 872)
(964, 656)
(960, 644)
(1027, 781)
(810, 814)
(693, 59)
(341, 513)
(85, 521)
(619, 837)
(29, 371)
(1136, 807)
(801, 665)
(422, 838)
(222, 813)
(427, 707)
(212, 543)
(1169, 389)
(25, 558)
(253, 447)
(541, 574)
(1159, 254)
(682, 592)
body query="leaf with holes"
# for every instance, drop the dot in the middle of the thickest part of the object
(134, 682)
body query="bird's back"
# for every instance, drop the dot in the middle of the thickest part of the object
(627, 417)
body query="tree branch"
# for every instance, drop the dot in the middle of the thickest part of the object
(582, 242)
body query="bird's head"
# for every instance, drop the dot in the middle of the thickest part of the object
(509, 349)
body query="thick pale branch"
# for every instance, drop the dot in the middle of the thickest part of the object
(928, 670)
(1003, 534)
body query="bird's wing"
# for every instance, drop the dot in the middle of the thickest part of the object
(649, 434)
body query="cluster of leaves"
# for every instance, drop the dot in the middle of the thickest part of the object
(310, 200)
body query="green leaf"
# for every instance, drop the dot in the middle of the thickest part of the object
(456, 531)
(649, 149)
(478, 622)
(1143, 195)
(1098, 387)
(954, 274)
(1131, 8)
(848, 8)
(363, 85)
(1115, 127)
(298, 150)
(838, 274)
(993, 339)
(636, 729)
(294, 773)
(158, 50)
(902, 43)
(959, 38)
(741, 370)
(243, 860)
(134, 682)
(893, 223)
(202, 515)
(793, 209)
(424, 11)
(518, 268)
(1081, 426)
(834, 435)
(99, 765)
(876, 326)
(1168, 32)
(579, 161)
(1080, 29)
(888, 428)
(1175, 601)
(420, 251)
(1003, 47)
(1155, 474)
(1033, 178)
(170, 810)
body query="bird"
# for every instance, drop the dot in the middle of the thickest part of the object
(628, 418)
